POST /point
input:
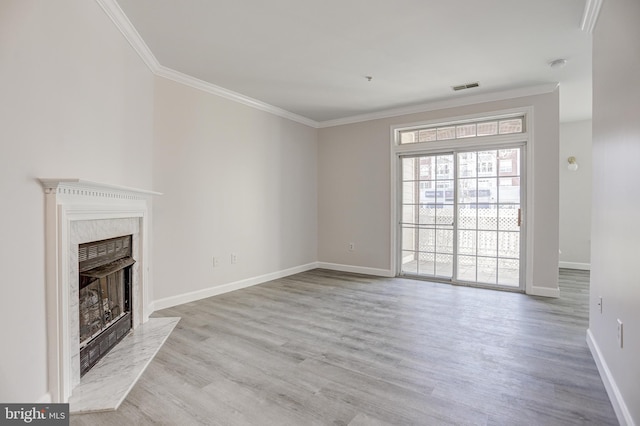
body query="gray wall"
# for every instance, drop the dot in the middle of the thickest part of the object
(235, 180)
(354, 187)
(615, 236)
(575, 195)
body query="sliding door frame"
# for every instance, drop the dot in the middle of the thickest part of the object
(524, 140)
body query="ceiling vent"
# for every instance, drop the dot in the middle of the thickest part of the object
(466, 86)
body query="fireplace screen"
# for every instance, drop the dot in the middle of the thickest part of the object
(104, 298)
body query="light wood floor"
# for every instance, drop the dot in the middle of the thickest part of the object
(329, 348)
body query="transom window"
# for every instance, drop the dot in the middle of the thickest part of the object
(504, 126)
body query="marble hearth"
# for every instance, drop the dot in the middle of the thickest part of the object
(102, 390)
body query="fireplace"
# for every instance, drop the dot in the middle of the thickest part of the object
(104, 302)
(80, 212)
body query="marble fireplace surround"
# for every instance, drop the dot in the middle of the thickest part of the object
(79, 211)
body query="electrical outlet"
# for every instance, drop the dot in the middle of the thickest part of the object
(600, 303)
(234, 258)
(620, 334)
(352, 247)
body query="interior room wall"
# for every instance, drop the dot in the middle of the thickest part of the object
(236, 180)
(76, 102)
(575, 195)
(354, 187)
(615, 234)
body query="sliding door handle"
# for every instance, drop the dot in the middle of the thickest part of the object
(519, 217)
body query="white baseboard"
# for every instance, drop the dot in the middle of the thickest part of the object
(44, 399)
(356, 269)
(180, 299)
(575, 265)
(619, 406)
(544, 291)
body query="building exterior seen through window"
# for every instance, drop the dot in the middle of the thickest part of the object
(464, 130)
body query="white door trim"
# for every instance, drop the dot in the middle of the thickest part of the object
(528, 170)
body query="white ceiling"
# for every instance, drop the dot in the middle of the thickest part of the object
(311, 57)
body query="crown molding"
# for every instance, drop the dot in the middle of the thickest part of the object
(196, 83)
(115, 13)
(122, 22)
(590, 15)
(444, 104)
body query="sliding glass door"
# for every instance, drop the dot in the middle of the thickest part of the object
(461, 216)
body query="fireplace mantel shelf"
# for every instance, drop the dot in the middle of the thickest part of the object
(76, 186)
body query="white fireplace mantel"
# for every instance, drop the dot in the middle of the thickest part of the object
(80, 211)
(89, 188)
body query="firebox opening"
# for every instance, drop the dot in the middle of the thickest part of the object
(104, 297)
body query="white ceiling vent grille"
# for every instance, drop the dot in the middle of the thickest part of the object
(466, 86)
